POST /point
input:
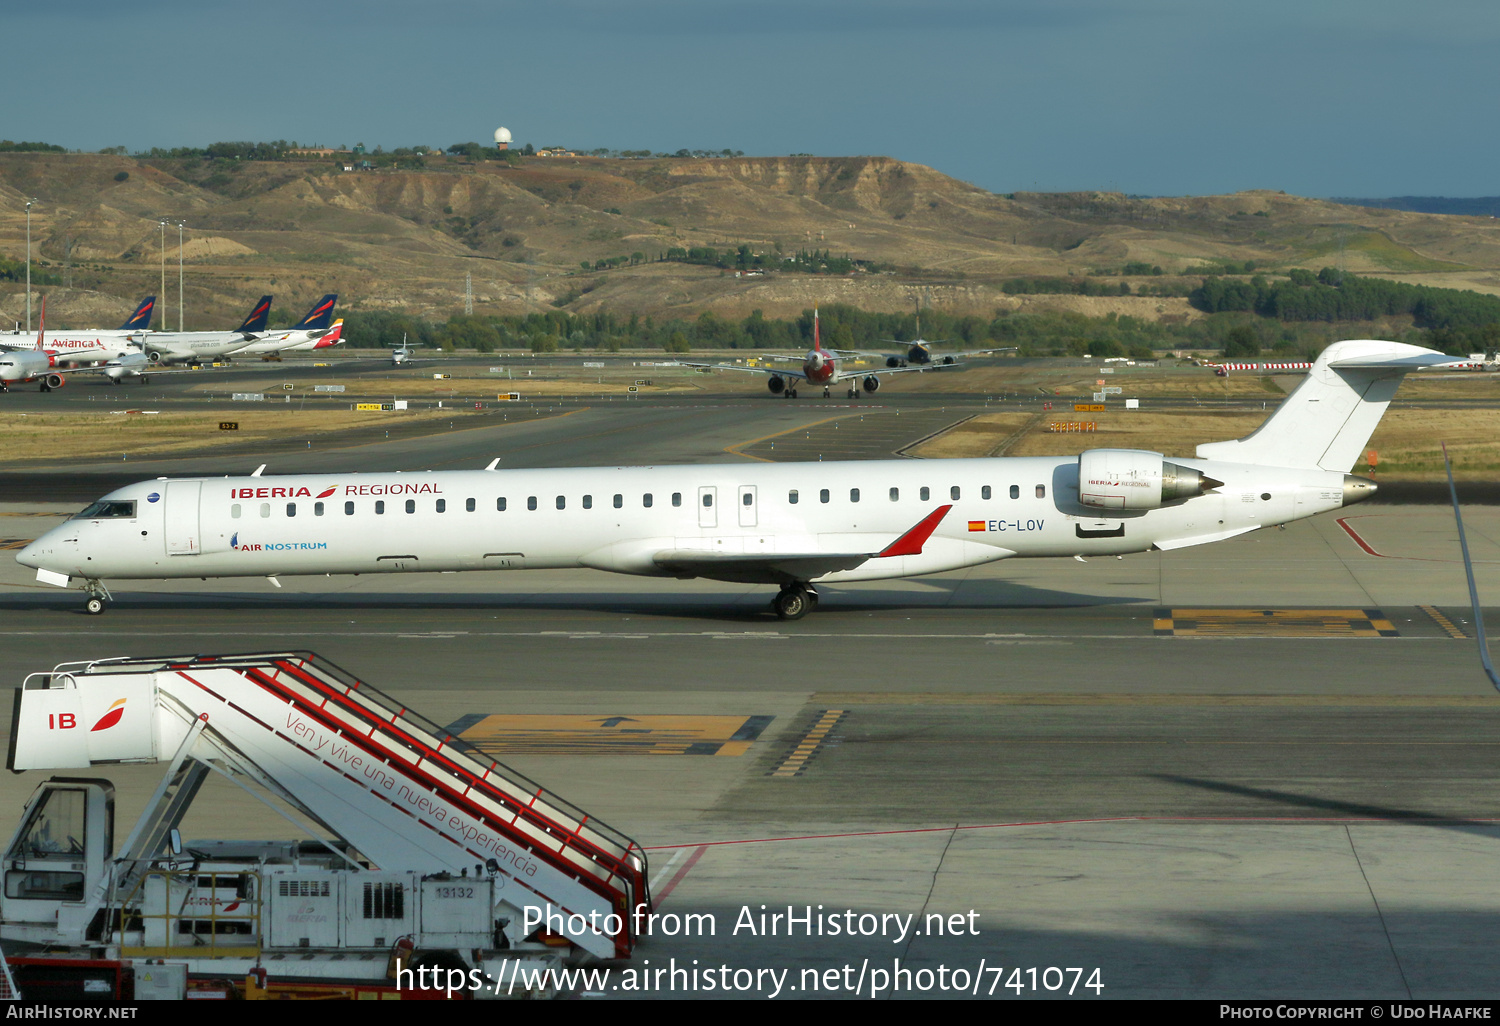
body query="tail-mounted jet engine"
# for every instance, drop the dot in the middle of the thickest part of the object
(776, 383)
(872, 384)
(1136, 479)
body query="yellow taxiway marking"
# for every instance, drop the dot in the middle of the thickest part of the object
(507, 734)
(1274, 623)
(808, 745)
(15, 543)
(1448, 626)
(734, 450)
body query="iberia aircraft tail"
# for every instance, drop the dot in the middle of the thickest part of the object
(334, 337)
(1328, 418)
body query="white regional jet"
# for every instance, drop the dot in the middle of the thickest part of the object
(792, 524)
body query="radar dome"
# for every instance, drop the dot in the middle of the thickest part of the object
(502, 135)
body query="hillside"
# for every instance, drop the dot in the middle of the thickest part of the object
(392, 239)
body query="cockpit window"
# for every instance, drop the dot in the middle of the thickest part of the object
(109, 509)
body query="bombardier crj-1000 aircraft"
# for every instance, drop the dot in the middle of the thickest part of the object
(791, 524)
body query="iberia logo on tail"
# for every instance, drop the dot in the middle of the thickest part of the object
(111, 716)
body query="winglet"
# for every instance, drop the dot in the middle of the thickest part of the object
(910, 543)
(493, 463)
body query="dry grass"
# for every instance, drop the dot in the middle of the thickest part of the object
(1408, 442)
(41, 437)
(978, 436)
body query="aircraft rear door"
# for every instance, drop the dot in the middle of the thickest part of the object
(747, 505)
(708, 498)
(182, 528)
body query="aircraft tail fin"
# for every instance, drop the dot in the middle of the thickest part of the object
(259, 314)
(1327, 420)
(320, 316)
(334, 337)
(41, 325)
(141, 319)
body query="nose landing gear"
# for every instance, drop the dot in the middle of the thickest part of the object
(99, 597)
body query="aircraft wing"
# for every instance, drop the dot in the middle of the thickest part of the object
(753, 370)
(779, 568)
(791, 567)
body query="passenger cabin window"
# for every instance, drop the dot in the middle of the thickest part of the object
(1015, 491)
(411, 505)
(646, 500)
(234, 511)
(823, 495)
(925, 493)
(895, 494)
(984, 493)
(791, 496)
(953, 493)
(442, 505)
(380, 507)
(562, 502)
(677, 498)
(265, 509)
(1041, 491)
(708, 499)
(109, 509)
(588, 502)
(500, 504)
(291, 509)
(349, 509)
(619, 500)
(468, 505)
(854, 495)
(531, 502)
(317, 509)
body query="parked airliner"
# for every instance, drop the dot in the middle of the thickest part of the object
(791, 524)
(70, 347)
(304, 334)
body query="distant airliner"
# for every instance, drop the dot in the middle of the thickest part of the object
(790, 524)
(819, 367)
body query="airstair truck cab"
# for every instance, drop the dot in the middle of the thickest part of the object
(429, 842)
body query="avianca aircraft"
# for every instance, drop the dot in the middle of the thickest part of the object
(91, 346)
(791, 524)
(305, 334)
(19, 366)
(819, 367)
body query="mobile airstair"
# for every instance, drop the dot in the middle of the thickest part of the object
(427, 836)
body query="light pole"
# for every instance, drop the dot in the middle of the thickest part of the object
(179, 274)
(163, 293)
(28, 263)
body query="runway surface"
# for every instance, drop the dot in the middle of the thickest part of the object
(1264, 768)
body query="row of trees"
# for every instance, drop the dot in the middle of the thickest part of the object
(842, 327)
(1045, 285)
(1336, 296)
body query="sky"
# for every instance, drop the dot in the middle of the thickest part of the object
(1362, 98)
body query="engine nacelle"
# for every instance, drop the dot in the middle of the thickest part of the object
(1136, 479)
(949, 361)
(893, 361)
(872, 384)
(776, 383)
(155, 357)
(54, 381)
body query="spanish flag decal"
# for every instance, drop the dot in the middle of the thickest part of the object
(976, 525)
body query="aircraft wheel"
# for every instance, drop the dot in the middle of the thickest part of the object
(792, 604)
(825, 393)
(95, 605)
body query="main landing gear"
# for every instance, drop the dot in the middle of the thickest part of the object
(825, 391)
(99, 597)
(794, 601)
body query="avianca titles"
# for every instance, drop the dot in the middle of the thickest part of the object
(795, 525)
